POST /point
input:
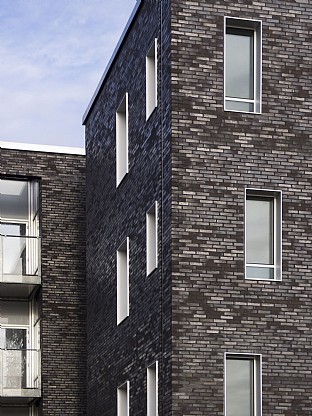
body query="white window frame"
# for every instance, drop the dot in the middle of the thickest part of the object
(152, 389)
(152, 239)
(276, 196)
(123, 399)
(122, 139)
(256, 27)
(123, 281)
(151, 79)
(257, 379)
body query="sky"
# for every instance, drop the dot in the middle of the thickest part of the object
(53, 54)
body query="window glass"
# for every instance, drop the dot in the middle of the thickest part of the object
(242, 65)
(123, 281)
(122, 140)
(14, 313)
(263, 234)
(151, 239)
(14, 199)
(239, 106)
(260, 229)
(123, 400)
(239, 63)
(239, 387)
(151, 80)
(152, 399)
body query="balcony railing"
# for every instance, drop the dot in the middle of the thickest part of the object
(19, 259)
(20, 373)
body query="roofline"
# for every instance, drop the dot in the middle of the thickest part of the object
(111, 61)
(43, 148)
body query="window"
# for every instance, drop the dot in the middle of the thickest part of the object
(123, 281)
(123, 399)
(122, 140)
(152, 390)
(242, 385)
(263, 234)
(151, 239)
(242, 66)
(151, 80)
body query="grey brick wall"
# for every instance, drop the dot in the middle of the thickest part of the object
(63, 292)
(215, 156)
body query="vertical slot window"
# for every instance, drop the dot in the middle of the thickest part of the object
(263, 235)
(242, 65)
(123, 281)
(151, 80)
(123, 399)
(151, 239)
(242, 385)
(122, 140)
(152, 390)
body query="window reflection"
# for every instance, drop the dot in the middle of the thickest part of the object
(239, 63)
(260, 230)
(242, 386)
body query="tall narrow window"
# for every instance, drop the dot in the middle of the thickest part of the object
(242, 385)
(242, 65)
(122, 140)
(123, 399)
(151, 80)
(152, 390)
(263, 234)
(151, 239)
(123, 281)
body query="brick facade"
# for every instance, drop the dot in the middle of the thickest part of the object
(114, 214)
(196, 160)
(63, 292)
(216, 155)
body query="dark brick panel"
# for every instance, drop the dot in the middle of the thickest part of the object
(117, 354)
(63, 317)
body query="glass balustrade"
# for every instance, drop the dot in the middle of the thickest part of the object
(20, 373)
(19, 259)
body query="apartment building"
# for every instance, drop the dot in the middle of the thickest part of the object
(199, 276)
(42, 281)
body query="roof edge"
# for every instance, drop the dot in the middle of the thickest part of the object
(111, 61)
(43, 148)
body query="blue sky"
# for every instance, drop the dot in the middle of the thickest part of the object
(53, 54)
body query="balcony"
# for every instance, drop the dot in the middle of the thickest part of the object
(20, 373)
(20, 259)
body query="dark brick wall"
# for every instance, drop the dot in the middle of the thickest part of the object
(197, 161)
(63, 332)
(120, 353)
(215, 156)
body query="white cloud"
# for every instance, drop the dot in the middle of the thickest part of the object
(52, 56)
